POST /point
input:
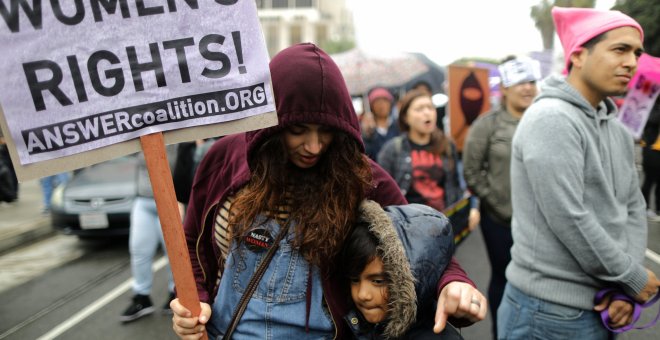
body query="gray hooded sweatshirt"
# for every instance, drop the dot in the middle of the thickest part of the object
(579, 222)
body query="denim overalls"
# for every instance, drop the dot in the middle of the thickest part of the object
(277, 309)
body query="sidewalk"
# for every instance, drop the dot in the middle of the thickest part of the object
(22, 221)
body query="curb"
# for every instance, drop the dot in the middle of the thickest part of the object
(26, 233)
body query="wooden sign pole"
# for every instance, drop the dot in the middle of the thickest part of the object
(153, 146)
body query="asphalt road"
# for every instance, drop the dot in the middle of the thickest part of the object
(82, 293)
(81, 299)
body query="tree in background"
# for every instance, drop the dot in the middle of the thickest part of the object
(647, 13)
(337, 46)
(469, 61)
(543, 18)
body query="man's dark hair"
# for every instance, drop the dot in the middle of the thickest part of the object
(589, 45)
(422, 83)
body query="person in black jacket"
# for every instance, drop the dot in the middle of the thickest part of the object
(379, 125)
(651, 162)
(8, 180)
(8, 192)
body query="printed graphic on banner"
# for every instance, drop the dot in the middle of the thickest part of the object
(642, 94)
(81, 75)
(469, 97)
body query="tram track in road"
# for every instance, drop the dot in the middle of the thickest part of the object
(70, 296)
(32, 260)
(97, 304)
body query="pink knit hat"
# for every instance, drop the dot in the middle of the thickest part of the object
(380, 92)
(576, 26)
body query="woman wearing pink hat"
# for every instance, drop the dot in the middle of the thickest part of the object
(379, 125)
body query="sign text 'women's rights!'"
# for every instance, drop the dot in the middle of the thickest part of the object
(84, 74)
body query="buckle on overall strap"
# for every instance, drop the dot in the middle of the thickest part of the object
(637, 309)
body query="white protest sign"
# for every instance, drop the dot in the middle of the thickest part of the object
(84, 74)
(644, 90)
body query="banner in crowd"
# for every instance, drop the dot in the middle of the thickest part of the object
(469, 97)
(642, 94)
(459, 217)
(83, 75)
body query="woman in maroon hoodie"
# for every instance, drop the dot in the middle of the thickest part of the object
(306, 176)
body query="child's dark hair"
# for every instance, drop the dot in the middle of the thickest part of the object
(360, 248)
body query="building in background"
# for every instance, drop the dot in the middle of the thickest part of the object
(327, 23)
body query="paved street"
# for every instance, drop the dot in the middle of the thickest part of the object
(80, 299)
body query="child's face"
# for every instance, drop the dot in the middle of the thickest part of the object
(370, 293)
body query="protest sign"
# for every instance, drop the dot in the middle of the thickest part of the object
(95, 75)
(83, 80)
(642, 94)
(469, 97)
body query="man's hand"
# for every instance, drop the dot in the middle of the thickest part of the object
(185, 325)
(459, 300)
(651, 288)
(620, 312)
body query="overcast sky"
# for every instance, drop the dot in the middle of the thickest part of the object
(446, 30)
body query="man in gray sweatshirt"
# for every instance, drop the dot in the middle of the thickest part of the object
(579, 222)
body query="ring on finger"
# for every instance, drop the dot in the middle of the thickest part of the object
(476, 301)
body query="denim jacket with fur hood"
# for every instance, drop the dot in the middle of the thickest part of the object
(417, 244)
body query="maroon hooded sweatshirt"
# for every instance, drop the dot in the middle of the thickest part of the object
(308, 88)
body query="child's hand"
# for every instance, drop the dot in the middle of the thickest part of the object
(459, 300)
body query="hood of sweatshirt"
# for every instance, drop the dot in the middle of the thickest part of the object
(556, 86)
(417, 243)
(601, 119)
(308, 89)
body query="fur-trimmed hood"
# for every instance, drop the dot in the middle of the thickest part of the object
(417, 243)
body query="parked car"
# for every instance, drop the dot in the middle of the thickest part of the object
(97, 201)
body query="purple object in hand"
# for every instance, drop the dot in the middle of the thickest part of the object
(637, 309)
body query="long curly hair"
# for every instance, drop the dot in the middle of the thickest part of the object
(321, 201)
